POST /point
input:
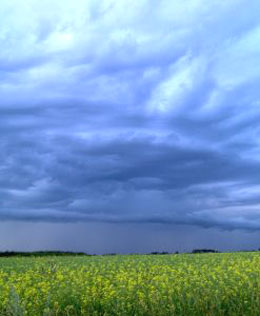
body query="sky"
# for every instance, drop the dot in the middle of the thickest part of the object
(129, 126)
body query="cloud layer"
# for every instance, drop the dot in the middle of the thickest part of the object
(122, 112)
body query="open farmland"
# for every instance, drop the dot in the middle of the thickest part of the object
(188, 284)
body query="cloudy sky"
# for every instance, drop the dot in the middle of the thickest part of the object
(129, 125)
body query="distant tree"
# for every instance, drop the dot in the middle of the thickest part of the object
(204, 251)
(159, 253)
(40, 253)
(110, 254)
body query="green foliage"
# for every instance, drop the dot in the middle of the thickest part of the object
(161, 285)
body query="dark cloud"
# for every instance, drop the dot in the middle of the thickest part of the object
(119, 113)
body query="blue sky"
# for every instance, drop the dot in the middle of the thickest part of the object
(131, 121)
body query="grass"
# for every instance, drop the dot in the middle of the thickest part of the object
(188, 284)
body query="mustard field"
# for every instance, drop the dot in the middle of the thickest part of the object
(187, 284)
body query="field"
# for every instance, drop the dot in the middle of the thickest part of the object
(188, 284)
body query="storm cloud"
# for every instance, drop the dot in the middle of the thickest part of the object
(129, 112)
